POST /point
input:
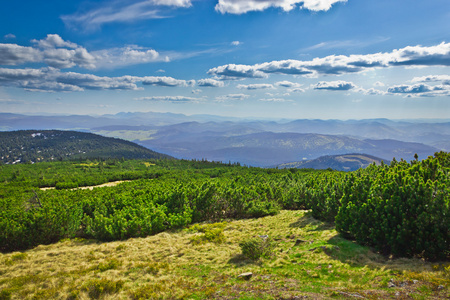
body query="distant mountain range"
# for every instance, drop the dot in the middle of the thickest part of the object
(253, 142)
(269, 148)
(48, 145)
(346, 162)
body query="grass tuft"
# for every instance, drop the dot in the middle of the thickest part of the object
(97, 288)
(210, 233)
(109, 264)
(257, 247)
(5, 294)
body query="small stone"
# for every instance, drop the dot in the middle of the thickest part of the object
(298, 242)
(391, 283)
(246, 275)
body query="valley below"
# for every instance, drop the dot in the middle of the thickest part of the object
(260, 143)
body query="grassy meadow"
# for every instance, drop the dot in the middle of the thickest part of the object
(310, 261)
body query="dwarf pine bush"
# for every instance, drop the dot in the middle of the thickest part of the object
(403, 209)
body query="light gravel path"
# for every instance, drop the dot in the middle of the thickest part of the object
(114, 183)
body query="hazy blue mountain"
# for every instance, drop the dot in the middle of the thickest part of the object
(250, 141)
(269, 148)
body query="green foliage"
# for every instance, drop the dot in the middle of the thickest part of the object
(403, 209)
(19, 256)
(257, 247)
(109, 264)
(324, 195)
(5, 294)
(179, 193)
(211, 233)
(97, 288)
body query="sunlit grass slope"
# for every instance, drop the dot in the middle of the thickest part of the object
(310, 260)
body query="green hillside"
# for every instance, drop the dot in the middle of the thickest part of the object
(177, 229)
(50, 145)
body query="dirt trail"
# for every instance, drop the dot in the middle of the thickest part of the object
(114, 183)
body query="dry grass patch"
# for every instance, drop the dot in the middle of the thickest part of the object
(309, 260)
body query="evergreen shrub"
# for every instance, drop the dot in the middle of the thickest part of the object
(402, 209)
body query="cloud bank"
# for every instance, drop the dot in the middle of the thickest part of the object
(53, 80)
(438, 55)
(444, 79)
(239, 97)
(256, 86)
(61, 54)
(420, 90)
(244, 6)
(173, 99)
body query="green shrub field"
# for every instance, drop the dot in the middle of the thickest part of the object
(401, 209)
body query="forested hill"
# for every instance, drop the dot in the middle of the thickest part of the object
(47, 145)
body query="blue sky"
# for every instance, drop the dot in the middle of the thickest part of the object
(328, 59)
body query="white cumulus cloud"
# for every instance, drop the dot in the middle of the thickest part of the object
(444, 79)
(288, 84)
(208, 82)
(233, 72)
(54, 41)
(53, 80)
(58, 53)
(165, 81)
(256, 86)
(125, 56)
(12, 54)
(244, 6)
(438, 55)
(413, 89)
(338, 85)
(370, 91)
(274, 100)
(239, 97)
(173, 99)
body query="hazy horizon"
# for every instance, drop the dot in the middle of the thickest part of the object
(431, 120)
